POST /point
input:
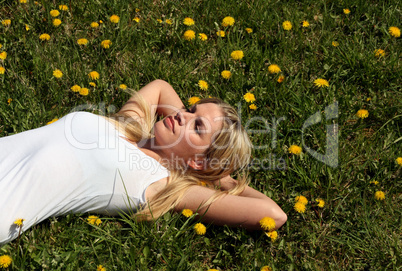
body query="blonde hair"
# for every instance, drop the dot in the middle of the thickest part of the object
(230, 149)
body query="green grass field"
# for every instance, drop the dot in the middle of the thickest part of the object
(353, 231)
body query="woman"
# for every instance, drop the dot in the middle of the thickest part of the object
(88, 163)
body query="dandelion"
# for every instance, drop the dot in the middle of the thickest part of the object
(346, 11)
(94, 25)
(168, 21)
(228, 21)
(305, 24)
(2, 70)
(100, 21)
(226, 74)
(44, 37)
(137, 19)
(53, 120)
(93, 75)
(237, 55)
(193, 100)
(374, 182)
(220, 33)
(114, 19)
(273, 235)
(76, 88)
(26, 27)
(92, 219)
(63, 7)
(252, 106)
(137, 10)
(294, 149)
(100, 268)
(5, 261)
(203, 84)
(188, 21)
(19, 222)
(267, 223)
(300, 207)
(281, 78)
(3, 55)
(6, 22)
(273, 68)
(106, 44)
(335, 43)
(56, 22)
(394, 31)
(301, 199)
(249, 97)
(82, 41)
(84, 92)
(202, 36)
(320, 202)
(187, 212)
(189, 35)
(159, 21)
(379, 53)
(321, 82)
(57, 73)
(379, 195)
(362, 114)
(287, 25)
(266, 268)
(122, 86)
(23, 1)
(399, 161)
(249, 30)
(200, 229)
(92, 84)
(54, 13)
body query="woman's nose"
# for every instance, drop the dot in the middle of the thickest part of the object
(184, 117)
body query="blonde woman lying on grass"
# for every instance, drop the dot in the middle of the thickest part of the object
(88, 163)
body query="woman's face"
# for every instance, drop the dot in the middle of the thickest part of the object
(187, 134)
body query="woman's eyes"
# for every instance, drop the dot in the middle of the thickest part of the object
(196, 124)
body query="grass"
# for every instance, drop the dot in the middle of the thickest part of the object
(353, 231)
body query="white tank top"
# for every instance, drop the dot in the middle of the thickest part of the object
(78, 164)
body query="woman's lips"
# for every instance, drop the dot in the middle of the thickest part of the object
(170, 122)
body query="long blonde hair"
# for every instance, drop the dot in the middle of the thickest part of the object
(230, 149)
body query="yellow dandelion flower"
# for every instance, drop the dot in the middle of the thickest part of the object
(114, 19)
(267, 223)
(281, 78)
(237, 55)
(2, 70)
(228, 21)
(301, 199)
(63, 7)
(368, 99)
(82, 41)
(305, 24)
(53, 120)
(94, 25)
(56, 22)
(23, 1)
(287, 25)
(76, 88)
(213, 269)
(159, 21)
(93, 75)
(6, 22)
(187, 212)
(106, 44)
(335, 43)
(273, 235)
(19, 222)
(266, 268)
(346, 11)
(5, 261)
(122, 86)
(189, 35)
(137, 10)
(188, 21)
(92, 84)
(374, 182)
(137, 19)
(273, 68)
(92, 219)
(168, 21)
(193, 100)
(54, 13)
(26, 27)
(249, 30)
(220, 33)
(44, 37)
(252, 106)
(202, 36)
(100, 21)
(249, 97)
(399, 161)
(84, 91)
(300, 207)
(320, 202)
(3, 55)
(379, 53)
(379, 195)
(226, 74)
(57, 73)
(100, 268)
(203, 84)
(394, 31)
(200, 229)
(294, 149)
(362, 114)
(321, 82)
